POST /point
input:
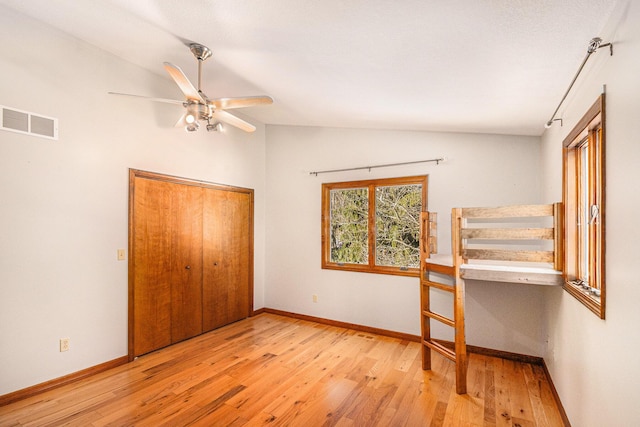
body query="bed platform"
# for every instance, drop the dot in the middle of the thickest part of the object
(496, 271)
(512, 244)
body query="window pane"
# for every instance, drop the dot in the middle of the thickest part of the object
(398, 225)
(596, 194)
(584, 212)
(349, 226)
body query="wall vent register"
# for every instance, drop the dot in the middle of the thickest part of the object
(15, 120)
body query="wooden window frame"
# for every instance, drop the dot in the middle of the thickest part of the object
(372, 184)
(589, 135)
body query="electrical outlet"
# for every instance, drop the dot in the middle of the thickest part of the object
(315, 298)
(121, 255)
(64, 344)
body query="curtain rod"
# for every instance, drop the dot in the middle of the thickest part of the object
(438, 160)
(594, 44)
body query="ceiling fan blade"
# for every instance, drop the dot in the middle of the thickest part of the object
(247, 101)
(223, 116)
(181, 121)
(149, 98)
(190, 92)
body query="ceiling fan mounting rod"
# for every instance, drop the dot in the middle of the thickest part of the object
(202, 53)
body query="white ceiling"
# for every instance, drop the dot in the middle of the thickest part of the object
(487, 66)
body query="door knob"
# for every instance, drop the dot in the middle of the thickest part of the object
(188, 267)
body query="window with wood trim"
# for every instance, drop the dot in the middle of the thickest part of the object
(373, 226)
(584, 204)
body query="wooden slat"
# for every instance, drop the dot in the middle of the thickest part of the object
(508, 233)
(442, 286)
(458, 223)
(558, 238)
(439, 318)
(425, 322)
(433, 232)
(441, 349)
(439, 268)
(460, 338)
(519, 211)
(424, 234)
(506, 255)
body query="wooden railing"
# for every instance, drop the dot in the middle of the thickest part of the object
(510, 235)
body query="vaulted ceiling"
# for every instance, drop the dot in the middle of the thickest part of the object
(490, 66)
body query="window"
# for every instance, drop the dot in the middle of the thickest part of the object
(373, 226)
(583, 197)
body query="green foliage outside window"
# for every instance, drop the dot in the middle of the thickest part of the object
(349, 226)
(380, 235)
(398, 225)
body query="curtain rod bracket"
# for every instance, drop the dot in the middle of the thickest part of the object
(610, 47)
(594, 44)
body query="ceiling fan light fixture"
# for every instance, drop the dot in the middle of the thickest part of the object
(190, 118)
(192, 127)
(214, 127)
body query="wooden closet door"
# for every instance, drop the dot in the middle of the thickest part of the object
(186, 262)
(227, 254)
(167, 257)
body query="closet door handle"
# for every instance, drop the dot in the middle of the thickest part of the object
(188, 267)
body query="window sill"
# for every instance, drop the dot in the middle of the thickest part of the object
(394, 271)
(591, 301)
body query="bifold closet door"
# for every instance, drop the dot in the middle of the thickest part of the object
(167, 280)
(227, 257)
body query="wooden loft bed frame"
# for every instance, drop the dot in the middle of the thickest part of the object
(490, 244)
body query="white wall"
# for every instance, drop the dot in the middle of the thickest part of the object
(481, 170)
(63, 204)
(593, 362)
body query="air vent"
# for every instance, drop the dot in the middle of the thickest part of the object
(28, 123)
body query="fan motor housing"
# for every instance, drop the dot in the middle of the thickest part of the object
(201, 111)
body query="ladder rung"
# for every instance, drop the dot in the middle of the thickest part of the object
(444, 287)
(440, 349)
(439, 318)
(439, 268)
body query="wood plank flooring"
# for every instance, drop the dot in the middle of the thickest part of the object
(274, 370)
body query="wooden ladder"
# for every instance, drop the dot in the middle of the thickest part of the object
(458, 354)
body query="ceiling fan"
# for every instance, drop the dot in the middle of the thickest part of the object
(198, 106)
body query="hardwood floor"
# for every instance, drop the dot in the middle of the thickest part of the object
(274, 370)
